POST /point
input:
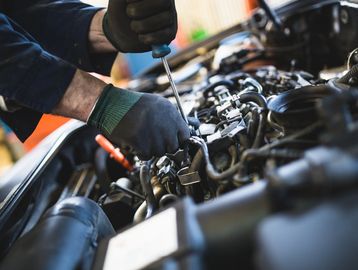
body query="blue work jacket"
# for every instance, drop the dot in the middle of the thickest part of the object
(42, 42)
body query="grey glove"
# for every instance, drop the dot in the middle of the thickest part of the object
(147, 123)
(135, 25)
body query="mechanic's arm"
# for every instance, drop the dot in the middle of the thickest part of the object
(98, 42)
(35, 79)
(30, 76)
(148, 124)
(62, 27)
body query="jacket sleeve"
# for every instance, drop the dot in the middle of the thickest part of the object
(61, 27)
(29, 76)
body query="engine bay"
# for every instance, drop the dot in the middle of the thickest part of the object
(272, 109)
(249, 113)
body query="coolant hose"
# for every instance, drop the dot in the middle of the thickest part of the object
(229, 84)
(252, 96)
(212, 173)
(260, 131)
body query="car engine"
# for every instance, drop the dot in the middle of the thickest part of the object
(243, 123)
(248, 115)
(268, 178)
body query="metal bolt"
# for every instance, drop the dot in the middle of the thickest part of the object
(162, 162)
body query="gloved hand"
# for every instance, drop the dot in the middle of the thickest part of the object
(147, 123)
(135, 25)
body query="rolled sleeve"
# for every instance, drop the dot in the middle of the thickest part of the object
(62, 28)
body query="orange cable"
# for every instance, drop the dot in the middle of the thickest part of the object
(114, 153)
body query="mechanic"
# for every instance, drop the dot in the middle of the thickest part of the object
(48, 46)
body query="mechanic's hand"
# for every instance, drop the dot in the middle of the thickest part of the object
(135, 25)
(147, 123)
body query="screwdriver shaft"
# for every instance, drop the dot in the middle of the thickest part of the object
(174, 88)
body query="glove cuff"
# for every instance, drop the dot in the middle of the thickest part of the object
(107, 32)
(111, 107)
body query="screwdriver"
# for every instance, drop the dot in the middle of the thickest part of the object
(161, 51)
